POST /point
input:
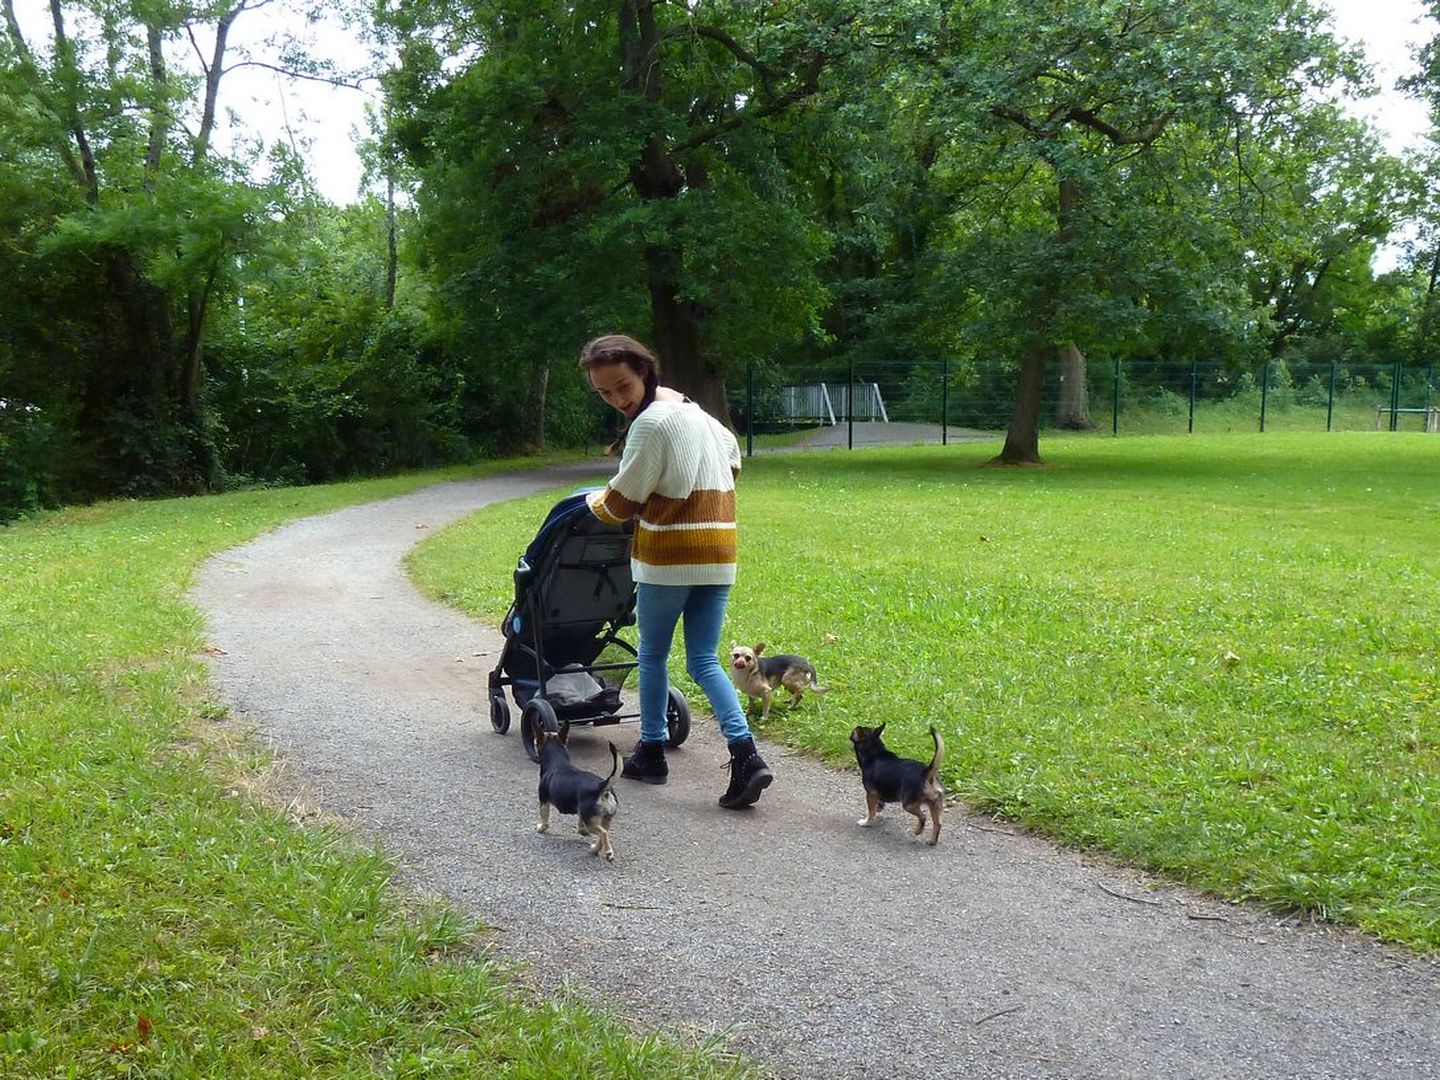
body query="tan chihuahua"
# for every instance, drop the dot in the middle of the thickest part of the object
(758, 677)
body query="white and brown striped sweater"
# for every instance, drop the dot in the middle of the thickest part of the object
(677, 476)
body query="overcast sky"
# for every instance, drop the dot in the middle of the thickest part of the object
(1390, 30)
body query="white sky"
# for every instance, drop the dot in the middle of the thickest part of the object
(1390, 30)
(326, 121)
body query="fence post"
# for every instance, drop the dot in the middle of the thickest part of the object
(850, 408)
(945, 402)
(1395, 399)
(750, 409)
(1115, 402)
(1264, 391)
(1190, 427)
(1330, 404)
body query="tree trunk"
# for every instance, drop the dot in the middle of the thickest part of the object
(676, 332)
(1073, 411)
(1022, 440)
(392, 250)
(126, 417)
(675, 322)
(539, 385)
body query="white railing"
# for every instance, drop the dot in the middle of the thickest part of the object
(1431, 414)
(825, 402)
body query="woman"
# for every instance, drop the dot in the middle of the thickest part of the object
(677, 479)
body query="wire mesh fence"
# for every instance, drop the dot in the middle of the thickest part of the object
(945, 401)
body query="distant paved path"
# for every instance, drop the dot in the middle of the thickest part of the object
(832, 950)
(896, 433)
(866, 433)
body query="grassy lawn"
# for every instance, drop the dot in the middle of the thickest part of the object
(1215, 657)
(156, 922)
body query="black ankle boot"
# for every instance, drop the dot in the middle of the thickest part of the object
(646, 763)
(749, 775)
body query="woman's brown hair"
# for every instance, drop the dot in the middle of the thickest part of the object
(619, 349)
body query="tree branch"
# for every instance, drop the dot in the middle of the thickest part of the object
(329, 80)
(803, 89)
(158, 109)
(714, 33)
(213, 71)
(65, 54)
(1146, 135)
(22, 47)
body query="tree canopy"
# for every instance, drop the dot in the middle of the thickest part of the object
(749, 186)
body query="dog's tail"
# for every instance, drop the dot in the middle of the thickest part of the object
(614, 767)
(934, 766)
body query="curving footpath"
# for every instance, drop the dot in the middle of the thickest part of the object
(822, 949)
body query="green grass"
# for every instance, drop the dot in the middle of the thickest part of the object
(156, 921)
(1214, 657)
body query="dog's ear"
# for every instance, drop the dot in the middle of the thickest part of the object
(759, 648)
(880, 730)
(563, 735)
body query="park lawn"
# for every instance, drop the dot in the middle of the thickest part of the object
(157, 921)
(1216, 657)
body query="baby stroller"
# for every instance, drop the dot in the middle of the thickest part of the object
(573, 594)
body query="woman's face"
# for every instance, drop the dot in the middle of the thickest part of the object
(619, 386)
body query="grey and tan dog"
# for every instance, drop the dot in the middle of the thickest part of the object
(890, 778)
(572, 790)
(758, 676)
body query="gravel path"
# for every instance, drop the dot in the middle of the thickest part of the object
(824, 949)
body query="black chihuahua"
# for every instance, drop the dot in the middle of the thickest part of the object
(890, 778)
(571, 790)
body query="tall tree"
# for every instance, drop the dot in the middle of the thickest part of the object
(1086, 90)
(1424, 243)
(109, 113)
(586, 157)
(1324, 196)
(96, 106)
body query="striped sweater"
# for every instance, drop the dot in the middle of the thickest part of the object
(677, 477)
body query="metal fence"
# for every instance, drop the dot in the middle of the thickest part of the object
(944, 401)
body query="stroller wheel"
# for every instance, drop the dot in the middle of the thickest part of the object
(677, 718)
(499, 712)
(537, 715)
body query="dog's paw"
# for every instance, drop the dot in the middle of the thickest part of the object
(865, 822)
(932, 841)
(610, 856)
(544, 826)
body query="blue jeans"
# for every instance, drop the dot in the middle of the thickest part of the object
(658, 608)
